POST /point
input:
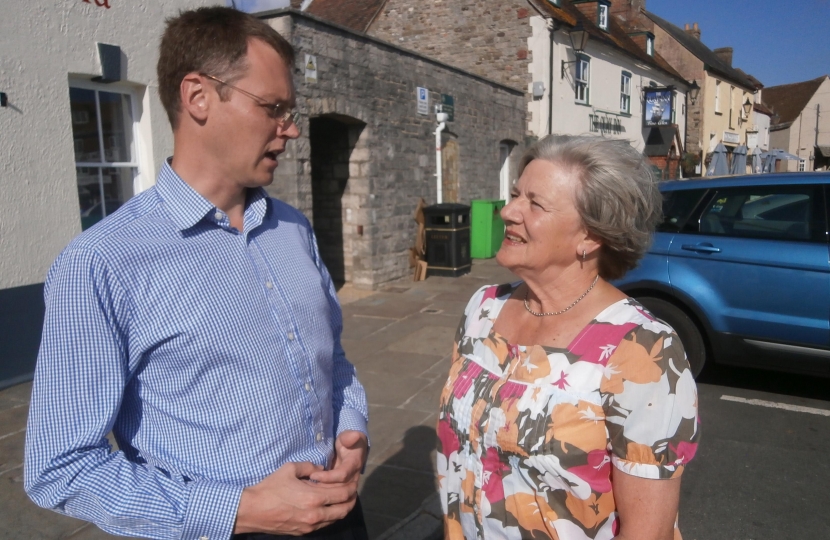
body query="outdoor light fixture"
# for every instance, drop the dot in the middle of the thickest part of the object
(694, 91)
(747, 108)
(4, 99)
(579, 38)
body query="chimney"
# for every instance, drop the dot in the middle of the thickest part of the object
(725, 55)
(694, 31)
(627, 10)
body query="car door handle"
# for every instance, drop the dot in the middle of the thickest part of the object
(700, 248)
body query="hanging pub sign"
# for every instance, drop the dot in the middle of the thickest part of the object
(658, 106)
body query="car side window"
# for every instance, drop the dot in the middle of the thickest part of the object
(677, 207)
(769, 213)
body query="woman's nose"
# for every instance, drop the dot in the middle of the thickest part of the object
(508, 211)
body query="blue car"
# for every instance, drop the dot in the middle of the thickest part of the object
(740, 268)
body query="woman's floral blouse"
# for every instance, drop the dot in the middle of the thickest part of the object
(528, 434)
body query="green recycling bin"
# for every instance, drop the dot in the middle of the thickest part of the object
(486, 228)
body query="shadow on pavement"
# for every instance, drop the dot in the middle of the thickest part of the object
(775, 382)
(398, 487)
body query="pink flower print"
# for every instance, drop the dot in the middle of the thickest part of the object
(685, 452)
(597, 473)
(465, 380)
(513, 349)
(493, 468)
(599, 341)
(562, 382)
(489, 294)
(511, 390)
(448, 437)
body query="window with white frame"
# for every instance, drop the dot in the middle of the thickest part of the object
(581, 81)
(106, 160)
(650, 46)
(625, 92)
(602, 17)
(717, 96)
(802, 165)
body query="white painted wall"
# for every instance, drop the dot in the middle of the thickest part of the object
(42, 45)
(607, 63)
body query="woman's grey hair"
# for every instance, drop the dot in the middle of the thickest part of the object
(617, 198)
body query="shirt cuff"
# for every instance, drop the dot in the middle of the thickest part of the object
(211, 511)
(350, 419)
(648, 470)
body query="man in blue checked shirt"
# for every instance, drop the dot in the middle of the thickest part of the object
(199, 325)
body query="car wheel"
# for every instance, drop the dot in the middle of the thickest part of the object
(686, 329)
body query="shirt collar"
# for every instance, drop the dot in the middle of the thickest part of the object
(187, 207)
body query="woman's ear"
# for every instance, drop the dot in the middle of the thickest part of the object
(194, 97)
(589, 245)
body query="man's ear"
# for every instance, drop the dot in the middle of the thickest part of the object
(195, 100)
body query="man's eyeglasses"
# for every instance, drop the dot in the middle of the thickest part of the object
(280, 112)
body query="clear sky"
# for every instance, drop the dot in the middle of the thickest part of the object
(777, 42)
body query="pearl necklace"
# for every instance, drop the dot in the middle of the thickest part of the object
(545, 314)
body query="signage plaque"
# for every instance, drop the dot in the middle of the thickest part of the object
(658, 107)
(423, 100)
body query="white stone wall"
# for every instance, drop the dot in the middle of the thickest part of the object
(42, 46)
(606, 65)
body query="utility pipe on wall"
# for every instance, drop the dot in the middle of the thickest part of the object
(442, 123)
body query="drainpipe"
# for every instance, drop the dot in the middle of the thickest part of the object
(553, 27)
(442, 123)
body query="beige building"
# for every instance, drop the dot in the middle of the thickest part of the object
(801, 123)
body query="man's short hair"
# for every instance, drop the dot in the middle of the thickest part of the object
(212, 40)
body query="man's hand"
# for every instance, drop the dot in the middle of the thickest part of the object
(350, 452)
(285, 502)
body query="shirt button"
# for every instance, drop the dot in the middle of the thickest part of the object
(319, 437)
(290, 336)
(307, 387)
(269, 285)
(218, 216)
(203, 538)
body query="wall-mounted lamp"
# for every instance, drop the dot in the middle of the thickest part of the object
(694, 91)
(579, 38)
(747, 108)
(110, 58)
(4, 99)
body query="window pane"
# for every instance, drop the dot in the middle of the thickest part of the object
(677, 207)
(777, 214)
(117, 125)
(84, 125)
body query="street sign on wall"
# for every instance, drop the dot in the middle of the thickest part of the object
(423, 100)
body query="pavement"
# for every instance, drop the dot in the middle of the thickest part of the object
(399, 338)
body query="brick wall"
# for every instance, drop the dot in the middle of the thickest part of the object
(488, 38)
(370, 84)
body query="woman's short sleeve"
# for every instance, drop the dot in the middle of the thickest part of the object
(650, 403)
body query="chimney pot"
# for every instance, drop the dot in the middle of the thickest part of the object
(694, 31)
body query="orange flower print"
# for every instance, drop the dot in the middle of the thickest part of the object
(581, 425)
(532, 512)
(632, 362)
(594, 511)
(640, 453)
(533, 365)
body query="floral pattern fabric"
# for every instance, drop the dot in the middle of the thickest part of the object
(528, 434)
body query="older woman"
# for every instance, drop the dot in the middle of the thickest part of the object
(570, 411)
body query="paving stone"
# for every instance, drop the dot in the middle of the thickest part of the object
(378, 524)
(398, 364)
(427, 398)
(15, 396)
(423, 527)
(11, 453)
(388, 426)
(394, 492)
(360, 327)
(416, 451)
(433, 340)
(395, 306)
(381, 389)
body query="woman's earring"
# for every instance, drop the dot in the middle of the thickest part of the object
(583, 254)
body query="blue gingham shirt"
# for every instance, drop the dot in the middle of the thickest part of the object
(212, 355)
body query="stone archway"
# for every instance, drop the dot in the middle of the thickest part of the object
(338, 162)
